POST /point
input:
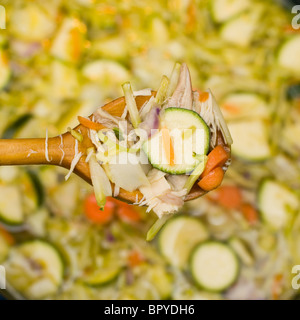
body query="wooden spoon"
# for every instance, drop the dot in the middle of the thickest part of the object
(61, 151)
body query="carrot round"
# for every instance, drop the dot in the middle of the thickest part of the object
(212, 180)
(128, 213)
(90, 124)
(250, 213)
(93, 212)
(216, 158)
(229, 197)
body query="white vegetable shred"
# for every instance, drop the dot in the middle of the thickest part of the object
(46, 147)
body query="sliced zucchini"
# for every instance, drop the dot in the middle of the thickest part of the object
(35, 269)
(214, 266)
(288, 57)
(5, 71)
(277, 204)
(250, 140)
(11, 211)
(189, 134)
(178, 237)
(244, 105)
(239, 31)
(223, 10)
(68, 43)
(102, 276)
(32, 191)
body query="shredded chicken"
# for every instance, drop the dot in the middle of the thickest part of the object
(105, 118)
(183, 94)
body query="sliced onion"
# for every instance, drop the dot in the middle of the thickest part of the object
(151, 121)
(100, 181)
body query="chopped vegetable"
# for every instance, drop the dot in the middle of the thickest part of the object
(216, 158)
(214, 266)
(174, 79)
(128, 213)
(196, 173)
(204, 96)
(40, 266)
(277, 204)
(11, 210)
(288, 55)
(90, 124)
(251, 141)
(250, 213)
(159, 223)
(77, 135)
(229, 197)
(135, 258)
(94, 213)
(100, 181)
(177, 123)
(161, 94)
(131, 105)
(178, 238)
(212, 180)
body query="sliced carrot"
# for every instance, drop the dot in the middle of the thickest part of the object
(229, 197)
(90, 124)
(135, 258)
(7, 236)
(128, 213)
(250, 213)
(203, 96)
(93, 212)
(216, 158)
(231, 108)
(168, 146)
(212, 180)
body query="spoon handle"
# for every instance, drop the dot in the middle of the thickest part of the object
(30, 151)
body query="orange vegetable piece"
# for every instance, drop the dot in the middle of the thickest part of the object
(135, 258)
(212, 180)
(216, 158)
(229, 197)
(250, 213)
(93, 212)
(128, 213)
(90, 124)
(203, 96)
